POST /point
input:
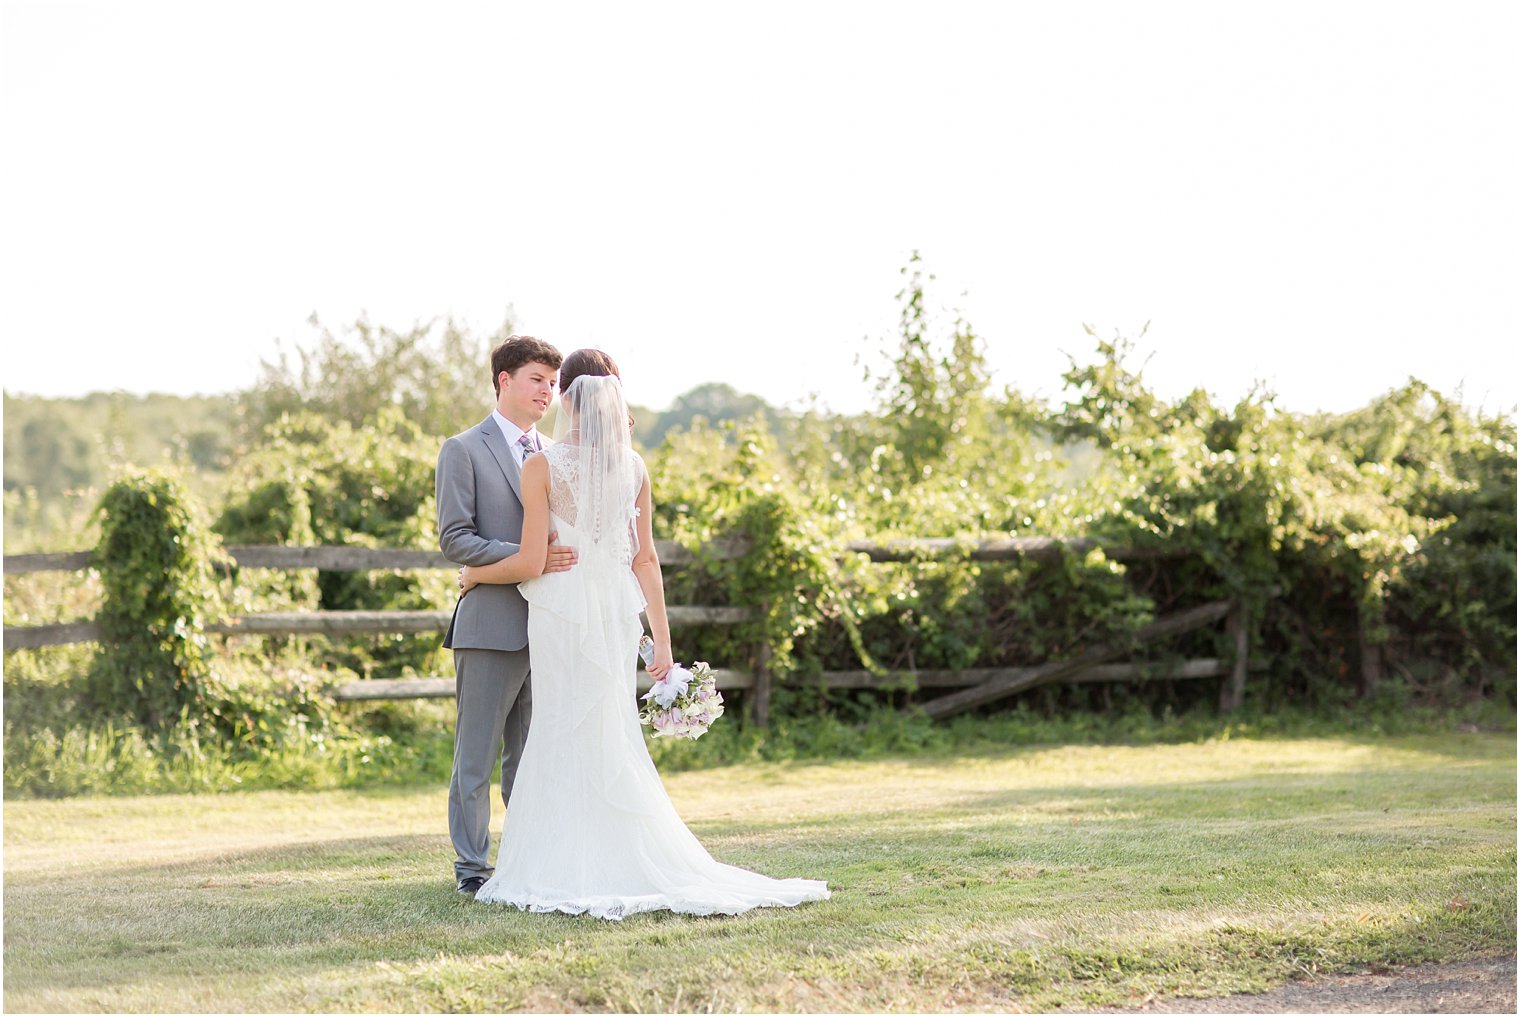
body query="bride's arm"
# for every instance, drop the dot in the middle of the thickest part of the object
(528, 562)
(646, 567)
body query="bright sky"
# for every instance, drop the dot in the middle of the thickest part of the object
(1318, 195)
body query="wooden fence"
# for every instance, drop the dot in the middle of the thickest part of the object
(973, 687)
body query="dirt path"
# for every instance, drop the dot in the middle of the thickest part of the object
(1486, 985)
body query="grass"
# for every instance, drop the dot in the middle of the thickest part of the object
(1014, 878)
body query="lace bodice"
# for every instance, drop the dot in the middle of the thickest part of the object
(564, 461)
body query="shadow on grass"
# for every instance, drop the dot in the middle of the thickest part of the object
(1452, 744)
(298, 910)
(1267, 798)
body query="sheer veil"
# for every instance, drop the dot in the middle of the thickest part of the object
(593, 422)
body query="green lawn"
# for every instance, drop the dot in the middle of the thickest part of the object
(1030, 878)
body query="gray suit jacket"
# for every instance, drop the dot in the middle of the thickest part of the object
(480, 518)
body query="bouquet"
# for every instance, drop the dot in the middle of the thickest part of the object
(682, 704)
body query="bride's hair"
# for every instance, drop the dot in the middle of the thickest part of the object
(593, 362)
(588, 363)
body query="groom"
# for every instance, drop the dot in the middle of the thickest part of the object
(480, 518)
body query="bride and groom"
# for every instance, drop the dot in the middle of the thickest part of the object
(558, 561)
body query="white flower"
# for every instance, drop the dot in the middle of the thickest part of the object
(684, 703)
(670, 688)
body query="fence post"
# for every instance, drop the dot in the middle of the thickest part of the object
(1237, 627)
(760, 691)
(1371, 654)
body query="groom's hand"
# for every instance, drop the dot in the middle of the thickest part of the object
(559, 558)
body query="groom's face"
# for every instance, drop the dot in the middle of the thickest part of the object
(528, 391)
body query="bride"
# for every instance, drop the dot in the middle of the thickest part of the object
(590, 829)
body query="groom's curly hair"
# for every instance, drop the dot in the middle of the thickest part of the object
(517, 350)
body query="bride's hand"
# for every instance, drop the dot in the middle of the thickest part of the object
(467, 580)
(663, 662)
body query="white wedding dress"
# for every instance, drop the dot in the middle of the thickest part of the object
(590, 829)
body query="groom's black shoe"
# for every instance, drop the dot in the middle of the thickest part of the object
(470, 887)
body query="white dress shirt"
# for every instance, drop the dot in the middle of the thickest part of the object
(514, 435)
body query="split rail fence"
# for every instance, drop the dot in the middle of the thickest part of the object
(972, 687)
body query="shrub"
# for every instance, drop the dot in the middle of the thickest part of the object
(155, 560)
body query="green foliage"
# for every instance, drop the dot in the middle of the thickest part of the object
(155, 558)
(944, 457)
(878, 731)
(60, 522)
(334, 483)
(156, 707)
(934, 415)
(1344, 517)
(437, 376)
(264, 723)
(114, 757)
(731, 483)
(1450, 606)
(1391, 527)
(712, 403)
(42, 453)
(1389, 530)
(60, 454)
(315, 481)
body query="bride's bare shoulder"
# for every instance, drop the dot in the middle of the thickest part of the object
(536, 466)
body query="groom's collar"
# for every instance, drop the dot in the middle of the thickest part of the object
(509, 430)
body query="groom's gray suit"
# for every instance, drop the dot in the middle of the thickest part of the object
(480, 518)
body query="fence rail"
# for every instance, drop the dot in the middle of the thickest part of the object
(1044, 549)
(343, 559)
(972, 687)
(744, 681)
(363, 559)
(359, 559)
(327, 623)
(32, 637)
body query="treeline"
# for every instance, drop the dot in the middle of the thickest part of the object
(61, 453)
(55, 446)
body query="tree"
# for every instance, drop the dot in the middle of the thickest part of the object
(714, 402)
(437, 374)
(933, 406)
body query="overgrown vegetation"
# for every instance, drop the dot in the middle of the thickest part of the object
(1378, 542)
(152, 664)
(313, 481)
(1386, 532)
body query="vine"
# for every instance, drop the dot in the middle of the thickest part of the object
(155, 558)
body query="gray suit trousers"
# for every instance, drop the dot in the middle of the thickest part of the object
(494, 699)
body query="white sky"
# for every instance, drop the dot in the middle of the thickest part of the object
(1319, 195)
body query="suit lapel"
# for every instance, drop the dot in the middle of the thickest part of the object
(497, 443)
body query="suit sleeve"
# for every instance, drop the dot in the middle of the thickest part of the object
(458, 536)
